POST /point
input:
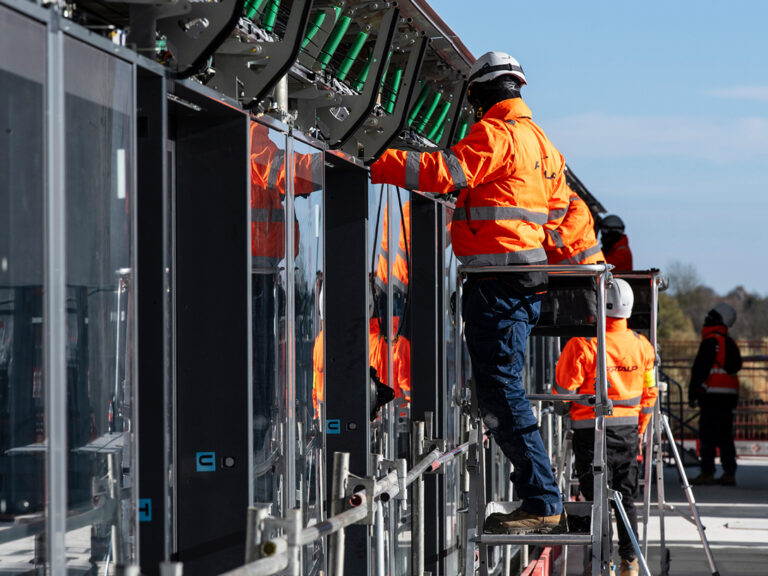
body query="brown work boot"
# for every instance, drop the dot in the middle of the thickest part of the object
(727, 479)
(704, 479)
(629, 567)
(520, 522)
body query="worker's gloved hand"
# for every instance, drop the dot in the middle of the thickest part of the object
(562, 408)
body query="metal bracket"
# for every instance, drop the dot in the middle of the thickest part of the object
(194, 36)
(378, 131)
(258, 66)
(368, 486)
(341, 131)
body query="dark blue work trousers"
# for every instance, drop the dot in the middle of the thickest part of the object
(498, 321)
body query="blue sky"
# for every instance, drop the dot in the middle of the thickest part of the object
(660, 108)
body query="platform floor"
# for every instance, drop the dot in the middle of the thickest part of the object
(735, 518)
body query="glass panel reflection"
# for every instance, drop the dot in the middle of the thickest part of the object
(22, 396)
(309, 354)
(100, 315)
(268, 310)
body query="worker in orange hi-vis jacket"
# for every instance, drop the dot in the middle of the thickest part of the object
(573, 240)
(510, 179)
(630, 359)
(615, 243)
(401, 346)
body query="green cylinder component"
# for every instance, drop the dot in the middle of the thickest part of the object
(386, 71)
(333, 42)
(270, 15)
(317, 22)
(430, 111)
(391, 96)
(336, 13)
(352, 53)
(252, 8)
(363, 76)
(419, 103)
(439, 135)
(463, 130)
(439, 123)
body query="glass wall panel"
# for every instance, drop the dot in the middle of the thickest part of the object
(308, 337)
(22, 416)
(268, 241)
(99, 307)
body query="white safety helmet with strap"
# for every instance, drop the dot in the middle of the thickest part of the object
(619, 299)
(726, 313)
(494, 64)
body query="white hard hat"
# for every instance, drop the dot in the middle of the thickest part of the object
(726, 313)
(492, 65)
(612, 222)
(619, 299)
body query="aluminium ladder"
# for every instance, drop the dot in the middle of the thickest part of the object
(598, 511)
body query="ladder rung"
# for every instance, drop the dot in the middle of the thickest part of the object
(590, 398)
(548, 539)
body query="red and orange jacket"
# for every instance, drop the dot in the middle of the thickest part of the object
(268, 192)
(511, 184)
(620, 255)
(401, 357)
(574, 240)
(631, 376)
(719, 359)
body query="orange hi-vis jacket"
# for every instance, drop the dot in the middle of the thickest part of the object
(631, 378)
(401, 358)
(400, 265)
(574, 240)
(268, 191)
(318, 372)
(511, 184)
(620, 255)
(719, 381)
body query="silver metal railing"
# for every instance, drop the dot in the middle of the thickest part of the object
(281, 553)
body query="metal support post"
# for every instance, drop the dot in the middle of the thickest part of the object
(338, 493)
(417, 528)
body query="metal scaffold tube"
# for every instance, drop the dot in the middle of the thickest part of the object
(276, 553)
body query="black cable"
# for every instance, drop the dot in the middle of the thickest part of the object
(373, 261)
(407, 267)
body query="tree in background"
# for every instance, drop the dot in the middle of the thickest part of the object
(673, 323)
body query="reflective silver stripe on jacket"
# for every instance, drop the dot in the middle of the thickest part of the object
(584, 254)
(412, 160)
(455, 169)
(265, 261)
(609, 421)
(556, 214)
(560, 389)
(646, 410)
(274, 169)
(530, 256)
(628, 401)
(711, 390)
(556, 239)
(499, 213)
(267, 215)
